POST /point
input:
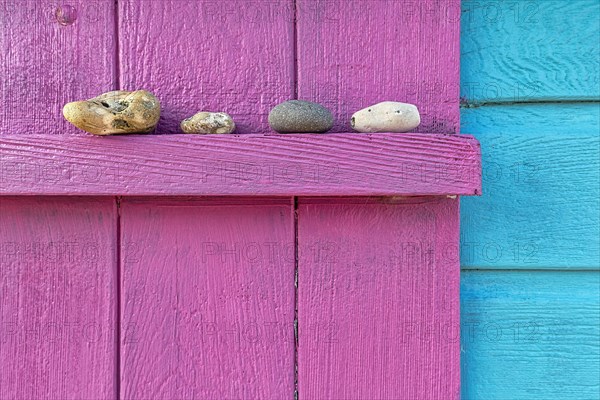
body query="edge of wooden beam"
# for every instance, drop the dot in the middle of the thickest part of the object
(341, 164)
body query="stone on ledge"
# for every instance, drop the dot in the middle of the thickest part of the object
(388, 116)
(300, 116)
(208, 122)
(115, 112)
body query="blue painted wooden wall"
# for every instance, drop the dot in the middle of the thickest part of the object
(530, 300)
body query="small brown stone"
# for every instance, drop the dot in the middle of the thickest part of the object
(208, 122)
(115, 112)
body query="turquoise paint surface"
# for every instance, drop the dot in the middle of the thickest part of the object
(530, 335)
(531, 312)
(540, 206)
(517, 51)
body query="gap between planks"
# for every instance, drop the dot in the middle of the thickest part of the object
(295, 49)
(538, 269)
(118, 289)
(117, 68)
(296, 335)
(477, 104)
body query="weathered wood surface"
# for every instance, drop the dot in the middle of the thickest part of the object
(541, 183)
(352, 54)
(378, 299)
(52, 53)
(530, 335)
(521, 120)
(537, 50)
(58, 294)
(197, 322)
(334, 164)
(58, 298)
(229, 56)
(208, 300)
(358, 303)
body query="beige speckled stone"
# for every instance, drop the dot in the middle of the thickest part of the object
(115, 112)
(208, 122)
(388, 116)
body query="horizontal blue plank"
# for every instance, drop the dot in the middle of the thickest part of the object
(519, 51)
(541, 188)
(530, 335)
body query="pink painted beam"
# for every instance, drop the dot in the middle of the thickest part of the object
(58, 298)
(354, 53)
(208, 299)
(242, 165)
(378, 299)
(198, 55)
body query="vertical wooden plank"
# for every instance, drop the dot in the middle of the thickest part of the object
(52, 53)
(57, 298)
(58, 257)
(233, 56)
(208, 300)
(378, 299)
(374, 324)
(354, 53)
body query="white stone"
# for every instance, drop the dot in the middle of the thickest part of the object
(388, 116)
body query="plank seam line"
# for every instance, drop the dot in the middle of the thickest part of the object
(296, 336)
(295, 49)
(467, 104)
(118, 304)
(117, 60)
(547, 269)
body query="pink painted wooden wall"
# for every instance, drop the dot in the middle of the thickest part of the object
(262, 291)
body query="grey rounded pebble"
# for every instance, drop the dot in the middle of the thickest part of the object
(300, 116)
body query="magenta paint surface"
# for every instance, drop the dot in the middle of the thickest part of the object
(355, 53)
(208, 300)
(241, 165)
(365, 312)
(231, 56)
(58, 298)
(52, 53)
(186, 305)
(378, 295)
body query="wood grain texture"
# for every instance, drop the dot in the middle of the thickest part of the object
(377, 296)
(530, 335)
(229, 56)
(352, 54)
(208, 300)
(541, 183)
(52, 53)
(521, 120)
(334, 164)
(378, 299)
(538, 50)
(58, 298)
